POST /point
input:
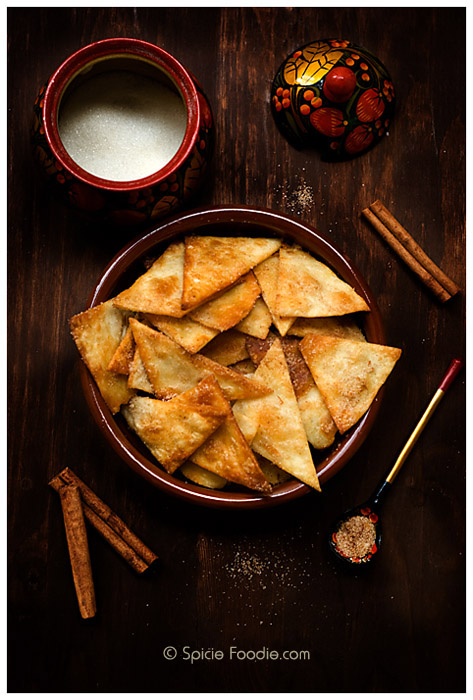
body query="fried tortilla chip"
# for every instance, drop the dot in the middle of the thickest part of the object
(267, 274)
(339, 327)
(227, 348)
(202, 476)
(257, 348)
(307, 287)
(97, 333)
(159, 290)
(348, 373)
(137, 378)
(213, 263)
(316, 418)
(281, 437)
(227, 453)
(257, 322)
(172, 370)
(123, 355)
(318, 424)
(274, 475)
(246, 414)
(192, 335)
(244, 366)
(173, 430)
(226, 310)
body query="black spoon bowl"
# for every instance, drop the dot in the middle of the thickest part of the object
(369, 510)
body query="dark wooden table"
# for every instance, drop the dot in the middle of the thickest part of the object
(263, 579)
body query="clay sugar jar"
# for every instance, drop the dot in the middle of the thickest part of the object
(123, 131)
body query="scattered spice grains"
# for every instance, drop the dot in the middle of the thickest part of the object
(276, 570)
(299, 200)
(356, 537)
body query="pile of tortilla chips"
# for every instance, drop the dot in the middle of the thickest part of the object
(231, 356)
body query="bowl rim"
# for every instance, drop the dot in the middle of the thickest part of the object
(280, 225)
(101, 50)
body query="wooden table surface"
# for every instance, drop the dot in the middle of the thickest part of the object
(260, 580)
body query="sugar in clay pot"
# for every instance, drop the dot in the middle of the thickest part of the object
(335, 96)
(123, 131)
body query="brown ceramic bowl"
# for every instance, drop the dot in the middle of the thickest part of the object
(128, 265)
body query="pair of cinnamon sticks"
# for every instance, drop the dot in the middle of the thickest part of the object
(79, 501)
(410, 252)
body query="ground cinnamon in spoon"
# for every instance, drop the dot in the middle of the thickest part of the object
(356, 537)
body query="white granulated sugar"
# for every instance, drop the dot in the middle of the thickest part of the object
(122, 126)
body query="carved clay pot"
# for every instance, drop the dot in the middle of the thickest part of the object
(334, 96)
(135, 202)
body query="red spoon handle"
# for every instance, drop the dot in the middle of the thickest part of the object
(451, 373)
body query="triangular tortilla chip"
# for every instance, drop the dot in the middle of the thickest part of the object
(339, 327)
(226, 310)
(173, 430)
(246, 413)
(257, 322)
(348, 373)
(318, 424)
(267, 274)
(309, 288)
(281, 437)
(172, 370)
(137, 378)
(244, 366)
(123, 355)
(159, 290)
(316, 419)
(192, 335)
(227, 454)
(212, 264)
(274, 475)
(227, 348)
(97, 333)
(202, 476)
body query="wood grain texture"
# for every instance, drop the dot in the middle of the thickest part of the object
(260, 579)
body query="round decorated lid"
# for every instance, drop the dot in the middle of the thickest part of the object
(335, 96)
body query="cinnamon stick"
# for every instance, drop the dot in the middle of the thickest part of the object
(78, 549)
(442, 294)
(108, 524)
(385, 216)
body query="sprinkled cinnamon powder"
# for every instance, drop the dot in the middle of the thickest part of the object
(355, 537)
(299, 200)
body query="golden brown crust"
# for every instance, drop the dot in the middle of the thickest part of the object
(172, 370)
(307, 287)
(227, 454)
(123, 355)
(97, 334)
(227, 348)
(337, 326)
(159, 290)
(190, 334)
(348, 373)
(280, 437)
(230, 307)
(258, 321)
(267, 274)
(137, 378)
(173, 430)
(213, 263)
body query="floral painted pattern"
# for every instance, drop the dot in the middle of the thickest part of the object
(333, 95)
